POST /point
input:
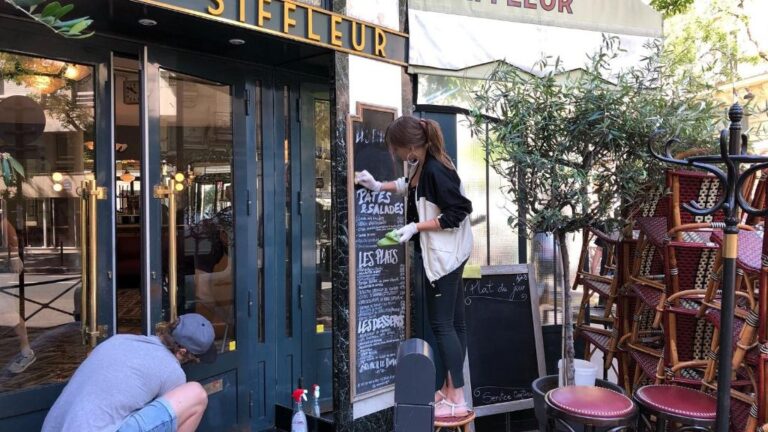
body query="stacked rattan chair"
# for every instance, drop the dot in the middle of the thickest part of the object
(654, 265)
(600, 282)
(662, 297)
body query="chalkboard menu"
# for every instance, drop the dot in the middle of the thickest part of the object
(504, 343)
(378, 283)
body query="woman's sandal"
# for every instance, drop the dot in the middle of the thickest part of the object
(453, 408)
(442, 395)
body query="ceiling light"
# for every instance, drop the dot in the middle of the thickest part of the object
(237, 41)
(147, 22)
(127, 177)
(57, 177)
(76, 72)
(57, 187)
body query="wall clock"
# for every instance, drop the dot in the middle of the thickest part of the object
(131, 92)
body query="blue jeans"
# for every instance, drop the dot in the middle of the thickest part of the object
(157, 416)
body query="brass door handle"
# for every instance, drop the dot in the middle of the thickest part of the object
(162, 191)
(90, 193)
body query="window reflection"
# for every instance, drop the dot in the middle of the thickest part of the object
(196, 141)
(323, 215)
(46, 150)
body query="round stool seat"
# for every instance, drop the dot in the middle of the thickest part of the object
(457, 422)
(679, 401)
(592, 402)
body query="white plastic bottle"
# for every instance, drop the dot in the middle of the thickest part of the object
(299, 420)
(315, 400)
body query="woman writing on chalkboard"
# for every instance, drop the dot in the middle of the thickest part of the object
(438, 216)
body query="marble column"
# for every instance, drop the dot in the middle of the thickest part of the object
(340, 106)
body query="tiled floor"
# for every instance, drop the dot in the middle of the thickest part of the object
(59, 349)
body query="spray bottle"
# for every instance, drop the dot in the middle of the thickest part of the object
(299, 420)
(315, 400)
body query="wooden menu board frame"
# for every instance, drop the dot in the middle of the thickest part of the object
(352, 120)
(503, 405)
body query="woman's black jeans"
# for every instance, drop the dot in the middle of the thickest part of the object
(445, 308)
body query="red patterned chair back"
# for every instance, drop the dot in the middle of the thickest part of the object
(690, 266)
(758, 200)
(701, 188)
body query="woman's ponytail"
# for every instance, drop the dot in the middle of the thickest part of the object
(436, 143)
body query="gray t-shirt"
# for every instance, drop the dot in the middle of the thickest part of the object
(120, 376)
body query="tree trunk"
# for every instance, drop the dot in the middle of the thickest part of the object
(568, 351)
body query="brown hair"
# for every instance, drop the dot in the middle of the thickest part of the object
(164, 330)
(411, 132)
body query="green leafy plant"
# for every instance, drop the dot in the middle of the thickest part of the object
(671, 7)
(572, 146)
(51, 15)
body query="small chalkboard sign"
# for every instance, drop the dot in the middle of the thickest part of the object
(504, 342)
(378, 290)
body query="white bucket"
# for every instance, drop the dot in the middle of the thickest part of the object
(585, 372)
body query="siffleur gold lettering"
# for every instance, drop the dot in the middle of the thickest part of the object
(346, 34)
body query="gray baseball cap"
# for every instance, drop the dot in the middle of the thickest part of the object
(195, 333)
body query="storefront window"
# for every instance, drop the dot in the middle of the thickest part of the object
(196, 144)
(323, 215)
(46, 150)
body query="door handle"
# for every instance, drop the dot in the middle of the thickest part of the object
(90, 193)
(175, 184)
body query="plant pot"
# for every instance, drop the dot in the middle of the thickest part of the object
(546, 383)
(553, 346)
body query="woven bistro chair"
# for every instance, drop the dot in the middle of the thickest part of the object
(685, 187)
(743, 412)
(600, 283)
(603, 284)
(746, 313)
(688, 338)
(687, 265)
(760, 182)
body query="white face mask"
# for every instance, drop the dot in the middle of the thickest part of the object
(411, 167)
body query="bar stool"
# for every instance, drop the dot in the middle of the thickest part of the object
(458, 424)
(693, 409)
(591, 407)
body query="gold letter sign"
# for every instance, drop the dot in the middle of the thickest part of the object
(299, 22)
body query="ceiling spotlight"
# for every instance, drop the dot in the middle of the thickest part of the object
(57, 187)
(147, 22)
(237, 41)
(57, 177)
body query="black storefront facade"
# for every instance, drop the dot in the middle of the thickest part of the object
(241, 108)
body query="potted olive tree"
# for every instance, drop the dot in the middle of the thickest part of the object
(572, 144)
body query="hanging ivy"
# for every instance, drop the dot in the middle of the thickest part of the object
(52, 15)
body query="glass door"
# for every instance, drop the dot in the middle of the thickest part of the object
(316, 140)
(189, 193)
(55, 260)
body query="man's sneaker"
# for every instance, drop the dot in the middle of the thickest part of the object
(21, 362)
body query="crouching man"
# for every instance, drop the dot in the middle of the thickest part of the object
(132, 383)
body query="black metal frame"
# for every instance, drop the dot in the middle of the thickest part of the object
(733, 147)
